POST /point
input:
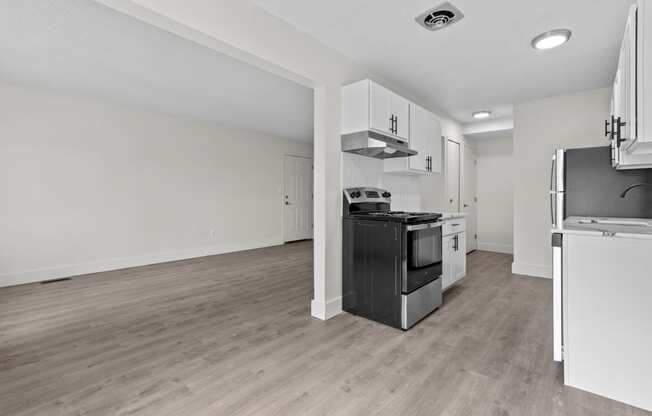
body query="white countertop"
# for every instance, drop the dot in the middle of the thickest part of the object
(617, 227)
(452, 215)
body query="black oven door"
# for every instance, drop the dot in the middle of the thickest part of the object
(423, 255)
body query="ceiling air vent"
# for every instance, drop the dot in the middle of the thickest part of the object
(440, 17)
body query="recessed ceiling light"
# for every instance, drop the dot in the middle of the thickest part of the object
(551, 39)
(481, 114)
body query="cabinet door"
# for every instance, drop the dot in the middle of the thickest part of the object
(607, 326)
(447, 261)
(384, 269)
(626, 83)
(615, 156)
(425, 138)
(418, 138)
(642, 13)
(434, 144)
(380, 113)
(460, 257)
(373, 284)
(400, 108)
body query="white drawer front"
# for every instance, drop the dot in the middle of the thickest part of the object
(454, 226)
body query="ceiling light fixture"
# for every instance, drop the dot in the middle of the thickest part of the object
(551, 39)
(481, 114)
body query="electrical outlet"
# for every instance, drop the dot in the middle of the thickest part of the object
(212, 234)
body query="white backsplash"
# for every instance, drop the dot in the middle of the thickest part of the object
(405, 190)
(361, 171)
(366, 171)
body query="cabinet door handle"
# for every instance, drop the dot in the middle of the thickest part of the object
(395, 124)
(618, 126)
(606, 128)
(391, 123)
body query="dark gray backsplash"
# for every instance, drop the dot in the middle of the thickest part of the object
(593, 187)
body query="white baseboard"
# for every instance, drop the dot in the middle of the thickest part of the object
(496, 247)
(326, 310)
(535, 270)
(116, 263)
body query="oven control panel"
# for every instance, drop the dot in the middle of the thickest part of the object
(362, 195)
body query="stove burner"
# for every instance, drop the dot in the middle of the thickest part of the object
(395, 213)
(378, 209)
(397, 216)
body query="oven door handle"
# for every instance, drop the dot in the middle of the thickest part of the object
(424, 226)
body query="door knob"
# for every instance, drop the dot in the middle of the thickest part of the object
(451, 200)
(287, 203)
(466, 206)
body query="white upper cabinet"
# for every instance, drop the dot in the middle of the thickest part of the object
(425, 138)
(642, 23)
(629, 127)
(624, 91)
(381, 117)
(400, 110)
(367, 105)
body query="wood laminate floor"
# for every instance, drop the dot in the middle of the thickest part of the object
(232, 335)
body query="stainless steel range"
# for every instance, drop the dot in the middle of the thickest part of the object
(392, 260)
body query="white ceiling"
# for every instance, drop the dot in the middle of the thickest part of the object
(485, 61)
(83, 47)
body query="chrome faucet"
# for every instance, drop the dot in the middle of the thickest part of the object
(636, 185)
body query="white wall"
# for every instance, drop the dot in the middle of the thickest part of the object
(272, 44)
(540, 127)
(495, 172)
(90, 185)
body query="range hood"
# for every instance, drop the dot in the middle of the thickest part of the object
(374, 144)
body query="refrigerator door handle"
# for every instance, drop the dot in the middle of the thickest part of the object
(552, 173)
(553, 191)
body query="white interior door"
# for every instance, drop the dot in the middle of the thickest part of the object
(469, 198)
(453, 175)
(297, 198)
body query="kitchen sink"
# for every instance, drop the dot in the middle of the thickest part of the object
(633, 223)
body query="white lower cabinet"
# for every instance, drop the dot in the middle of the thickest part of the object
(453, 257)
(447, 262)
(606, 316)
